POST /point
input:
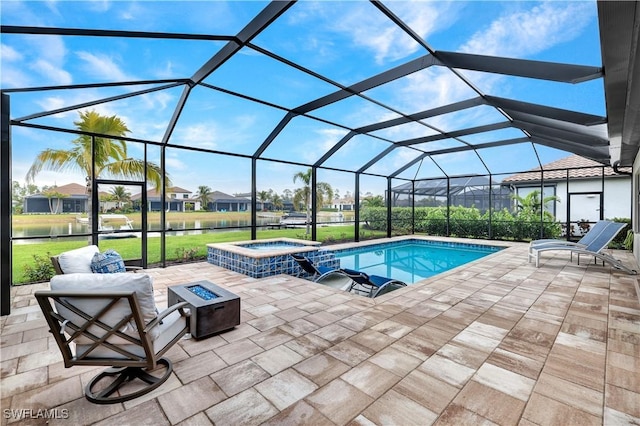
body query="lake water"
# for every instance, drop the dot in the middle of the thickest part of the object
(73, 227)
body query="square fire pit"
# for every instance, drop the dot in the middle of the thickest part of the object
(213, 309)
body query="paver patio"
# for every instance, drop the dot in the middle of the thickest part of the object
(496, 341)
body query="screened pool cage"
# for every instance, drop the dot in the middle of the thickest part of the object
(262, 117)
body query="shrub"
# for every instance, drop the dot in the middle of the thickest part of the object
(42, 270)
(463, 222)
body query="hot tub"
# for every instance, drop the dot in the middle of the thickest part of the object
(264, 258)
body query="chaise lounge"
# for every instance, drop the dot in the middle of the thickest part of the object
(597, 243)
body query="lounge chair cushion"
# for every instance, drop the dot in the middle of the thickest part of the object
(108, 262)
(107, 283)
(78, 260)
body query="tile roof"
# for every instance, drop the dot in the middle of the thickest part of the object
(579, 168)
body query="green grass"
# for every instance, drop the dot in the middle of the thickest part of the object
(130, 248)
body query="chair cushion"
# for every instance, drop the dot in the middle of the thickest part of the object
(78, 260)
(105, 283)
(107, 263)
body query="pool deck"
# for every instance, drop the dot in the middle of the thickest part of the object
(495, 341)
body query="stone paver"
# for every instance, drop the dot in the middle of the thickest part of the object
(497, 341)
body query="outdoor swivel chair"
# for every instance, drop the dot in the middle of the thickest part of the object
(111, 320)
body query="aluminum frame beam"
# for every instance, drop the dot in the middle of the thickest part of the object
(552, 71)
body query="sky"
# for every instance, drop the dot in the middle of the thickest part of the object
(346, 42)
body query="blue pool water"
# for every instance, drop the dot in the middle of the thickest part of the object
(412, 260)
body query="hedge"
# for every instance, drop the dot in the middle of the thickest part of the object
(463, 222)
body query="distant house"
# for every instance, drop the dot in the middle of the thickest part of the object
(287, 205)
(176, 200)
(586, 190)
(343, 204)
(179, 200)
(73, 200)
(221, 202)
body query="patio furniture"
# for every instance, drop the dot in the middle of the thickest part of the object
(371, 285)
(111, 320)
(586, 239)
(324, 275)
(79, 261)
(318, 272)
(213, 309)
(595, 247)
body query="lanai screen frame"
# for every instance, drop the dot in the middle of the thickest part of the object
(557, 128)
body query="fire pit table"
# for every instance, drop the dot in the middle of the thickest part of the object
(213, 309)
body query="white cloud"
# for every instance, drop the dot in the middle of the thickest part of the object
(99, 6)
(174, 164)
(51, 102)
(367, 28)
(54, 74)
(9, 54)
(197, 135)
(102, 66)
(528, 32)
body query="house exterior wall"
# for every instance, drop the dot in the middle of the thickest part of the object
(66, 205)
(617, 202)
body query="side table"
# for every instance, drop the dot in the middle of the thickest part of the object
(213, 309)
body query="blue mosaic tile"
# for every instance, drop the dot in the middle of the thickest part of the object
(267, 266)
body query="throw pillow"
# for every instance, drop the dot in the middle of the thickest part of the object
(107, 263)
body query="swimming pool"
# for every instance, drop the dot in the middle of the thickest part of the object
(412, 260)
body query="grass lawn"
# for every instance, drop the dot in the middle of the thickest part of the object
(177, 248)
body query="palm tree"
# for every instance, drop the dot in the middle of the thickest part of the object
(111, 154)
(51, 194)
(111, 158)
(204, 194)
(277, 202)
(120, 195)
(531, 202)
(373, 201)
(323, 191)
(263, 196)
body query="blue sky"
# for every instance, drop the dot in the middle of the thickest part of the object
(345, 41)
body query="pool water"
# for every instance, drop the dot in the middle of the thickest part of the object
(411, 261)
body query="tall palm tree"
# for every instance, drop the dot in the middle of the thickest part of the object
(111, 158)
(323, 192)
(120, 195)
(204, 196)
(111, 154)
